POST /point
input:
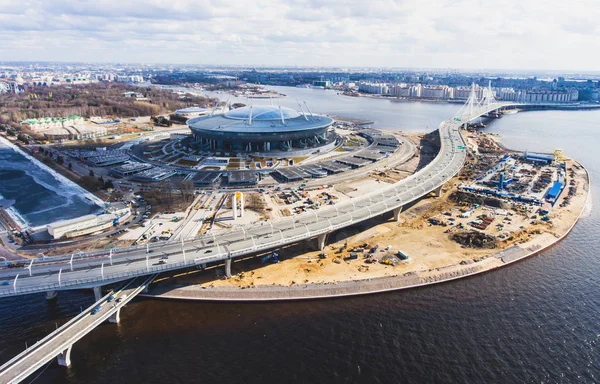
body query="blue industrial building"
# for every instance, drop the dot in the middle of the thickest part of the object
(539, 157)
(555, 191)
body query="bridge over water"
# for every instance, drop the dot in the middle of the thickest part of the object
(141, 264)
(87, 270)
(60, 342)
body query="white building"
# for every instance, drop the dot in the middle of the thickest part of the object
(44, 123)
(192, 112)
(85, 225)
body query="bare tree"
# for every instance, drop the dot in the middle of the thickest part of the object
(186, 188)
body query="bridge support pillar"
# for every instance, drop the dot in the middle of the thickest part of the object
(438, 191)
(228, 268)
(64, 358)
(234, 205)
(115, 318)
(51, 295)
(396, 213)
(241, 204)
(321, 240)
(98, 292)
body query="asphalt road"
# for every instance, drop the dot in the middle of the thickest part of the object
(46, 349)
(90, 270)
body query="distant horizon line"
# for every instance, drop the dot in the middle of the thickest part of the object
(339, 68)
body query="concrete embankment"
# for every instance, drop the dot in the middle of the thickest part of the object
(443, 274)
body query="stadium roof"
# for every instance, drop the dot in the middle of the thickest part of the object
(191, 109)
(259, 119)
(262, 112)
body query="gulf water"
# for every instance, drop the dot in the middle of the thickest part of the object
(536, 321)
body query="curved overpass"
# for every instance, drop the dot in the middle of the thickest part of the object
(99, 268)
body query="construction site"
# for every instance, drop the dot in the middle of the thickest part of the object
(435, 238)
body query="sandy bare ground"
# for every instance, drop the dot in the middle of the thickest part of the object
(433, 256)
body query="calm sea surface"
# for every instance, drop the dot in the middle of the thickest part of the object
(537, 321)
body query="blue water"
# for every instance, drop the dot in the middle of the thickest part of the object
(536, 321)
(386, 113)
(40, 198)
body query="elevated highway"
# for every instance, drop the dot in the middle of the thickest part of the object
(98, 268)
(59, 343)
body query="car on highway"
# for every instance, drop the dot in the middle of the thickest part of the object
(121, 298)
(5, 283)
(162, 261)
(96, 309)
(110, 298)
(164, 257)
(208, 251)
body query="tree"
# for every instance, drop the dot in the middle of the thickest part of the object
(90, 183)
(186, 188)
(91, 173)
(165, 192)
(70, 166)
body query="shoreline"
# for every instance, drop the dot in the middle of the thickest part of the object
(567, 106)
(350, 288)
(15, 215)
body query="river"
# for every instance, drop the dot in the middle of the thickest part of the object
(532, 322)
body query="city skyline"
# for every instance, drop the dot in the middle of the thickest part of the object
(440, 34)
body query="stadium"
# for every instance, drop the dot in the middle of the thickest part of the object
(264, 130)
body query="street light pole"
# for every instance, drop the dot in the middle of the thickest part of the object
(15, 283)
(71, 261)
(102, 270)
(183, 250)
(30, 264)
(59, 273)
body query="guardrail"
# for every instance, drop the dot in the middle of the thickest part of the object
(445, 165)
(72, 339)
(41, 342)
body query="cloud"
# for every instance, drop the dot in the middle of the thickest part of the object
(536, 34)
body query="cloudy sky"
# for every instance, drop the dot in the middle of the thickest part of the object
(512, 34)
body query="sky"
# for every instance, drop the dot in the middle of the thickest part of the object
(472, 34)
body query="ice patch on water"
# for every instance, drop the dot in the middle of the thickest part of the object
(73, 188)
(64, 187)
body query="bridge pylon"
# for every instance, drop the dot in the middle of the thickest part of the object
(64, 358)
(396, 213)
(321, 241)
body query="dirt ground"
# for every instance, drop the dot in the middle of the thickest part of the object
(430, 249)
